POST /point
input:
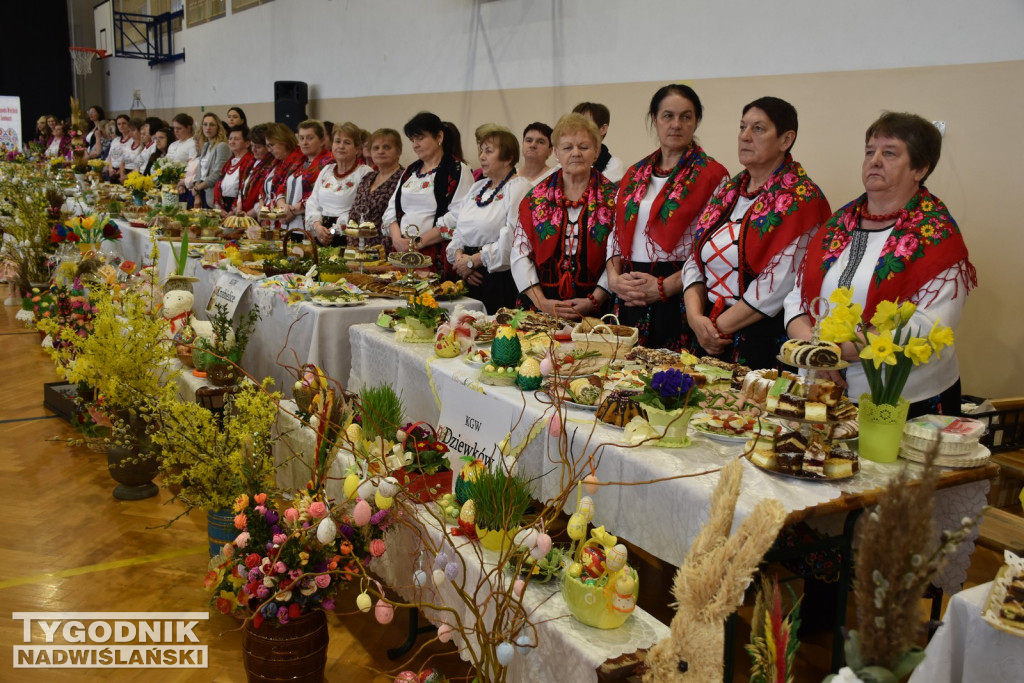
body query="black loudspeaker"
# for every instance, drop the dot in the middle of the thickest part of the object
(290, 99)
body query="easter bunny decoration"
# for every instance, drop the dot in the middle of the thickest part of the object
(710, 584)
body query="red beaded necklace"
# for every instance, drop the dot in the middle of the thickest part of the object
(880, 218)
(743, 188)
(346, 173)
(573, 205)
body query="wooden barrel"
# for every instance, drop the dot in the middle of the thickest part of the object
(295, 652)
(220, 529)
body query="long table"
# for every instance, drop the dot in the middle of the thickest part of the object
(662, 517)
(288, 335)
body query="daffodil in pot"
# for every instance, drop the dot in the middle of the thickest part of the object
(889, 351)
(670, 398)
(139, 184)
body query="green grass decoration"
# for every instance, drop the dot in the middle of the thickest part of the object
(501, 499)
(381, 409)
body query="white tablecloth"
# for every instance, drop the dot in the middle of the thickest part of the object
(567, 650)
(965, 649)
(287, 335)
(663, 517)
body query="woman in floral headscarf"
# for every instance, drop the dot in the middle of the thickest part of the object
(749, 240)
(560, 240)
(660, 199)
(896, 242)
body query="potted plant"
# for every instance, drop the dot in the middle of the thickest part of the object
(428, 474)
(500, 500)
(420, 318)
(139, 184)
(670, 398)
(28, 217)
(888, 353)
(86, 231)
(227, 343)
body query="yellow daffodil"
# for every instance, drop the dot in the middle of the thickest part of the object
(88, 222)
(940, 337)
(848, 315)
(881, 349)
(842, 296)
(907, 309)
(886, 314)
(918, 350)
(837, 331)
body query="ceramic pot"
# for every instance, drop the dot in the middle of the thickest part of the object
(133, 471)
(671, 425)
(881, 428)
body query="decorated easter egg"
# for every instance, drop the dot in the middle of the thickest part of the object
(505, 652)
(366, 489)
(577, 527)
(546, 366)
(467, 516)
(384, 611)
(419, 578)
(388, 487)
(555, 425)
(451, 571)
(525, 644)
(326, 531)
(593, 561)
(543, 543)
(586, 507)
(441, 560)
(351, 485)
(407, 677)
(616, 558)
(383, 502)
(444, 633)
(625, 584)
(537, 554)
(590, 483)
(364, 602)
(575, 570)
(361, 513)
(518, 587)
(506, 348)
(354, 432)
(530, 376)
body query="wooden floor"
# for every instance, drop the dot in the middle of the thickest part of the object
(70, 546)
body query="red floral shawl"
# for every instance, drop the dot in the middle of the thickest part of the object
(788, 205)
(543, 217)
(293, 165)
(924, 242)
(244, 164)
(252, 183)
(691, 182)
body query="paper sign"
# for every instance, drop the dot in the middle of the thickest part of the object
(473, 424)
(229, 291)
(10, 123)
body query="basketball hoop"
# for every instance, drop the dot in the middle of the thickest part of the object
(83, 56)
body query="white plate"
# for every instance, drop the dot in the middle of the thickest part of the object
(474, 364)
(733, 439)
(579, 406)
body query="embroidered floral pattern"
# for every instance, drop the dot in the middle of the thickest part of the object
(677, 186)
(546, 202)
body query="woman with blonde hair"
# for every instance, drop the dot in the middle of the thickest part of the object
(212, 158)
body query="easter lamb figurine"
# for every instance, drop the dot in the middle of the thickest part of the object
(710, 585)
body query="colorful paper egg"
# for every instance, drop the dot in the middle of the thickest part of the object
(586, 507)
(467, 517)
(326, 531)
(593, 561)
(444, 633)
(546, 366)
(383, 502)
(354, 432)
(530, 376)
(575, 570)
(361, 513)
(364, 602)
(616, 558)
(384, 611)
(555, 425)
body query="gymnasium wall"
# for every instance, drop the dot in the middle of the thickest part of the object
(513, 62)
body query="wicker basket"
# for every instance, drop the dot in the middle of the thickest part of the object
(606, 339)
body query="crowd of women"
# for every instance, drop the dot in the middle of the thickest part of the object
(695, 258)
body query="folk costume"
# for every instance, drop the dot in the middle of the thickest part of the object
(228, 188)
(294, 181)
(422, 198)
(748, 246)
(921, 258)
(561, 246)
(666, 206)
(253, 183)
(483, 223)
(331, 200)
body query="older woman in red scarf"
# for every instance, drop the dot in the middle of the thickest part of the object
(896, 242)
(296, 174)
(558, 252)
(660, 199)
(750, 239)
